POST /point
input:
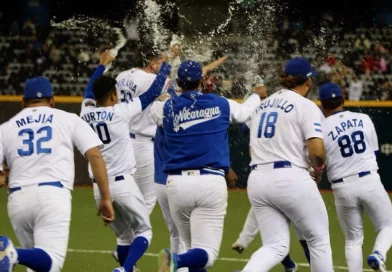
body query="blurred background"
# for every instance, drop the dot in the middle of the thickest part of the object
(349, 42)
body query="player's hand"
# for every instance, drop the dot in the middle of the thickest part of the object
(174, 51)
(316, 175)
(261, 91)
(105, 209)
(231, 178)
(4, 175)
(106, 58)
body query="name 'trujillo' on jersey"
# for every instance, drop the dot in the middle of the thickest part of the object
(351, 142)
(281, 126)
(38, 144)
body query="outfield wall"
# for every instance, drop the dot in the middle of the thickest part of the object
(379, 111)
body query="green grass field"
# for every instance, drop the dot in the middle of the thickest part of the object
(90, 242)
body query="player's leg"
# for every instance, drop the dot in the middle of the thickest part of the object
(303, 243)
(144, 175)
(273, 225)
(163, 201)
(50, 221)
(349, 211)
(377, 205)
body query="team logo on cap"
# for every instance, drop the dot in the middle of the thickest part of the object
(39, 94)
(333, 95)
(309, 74)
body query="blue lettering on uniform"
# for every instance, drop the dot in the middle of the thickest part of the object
(347, 124)
(41, 118)
(110, 116)
(277, 104)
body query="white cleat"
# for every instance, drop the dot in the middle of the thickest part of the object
(8, 255)
(294, 269)
(376, 262)
(120, 269)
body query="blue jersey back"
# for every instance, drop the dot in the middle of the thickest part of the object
(195, 127)
(159, 156)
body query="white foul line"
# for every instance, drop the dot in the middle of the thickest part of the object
(219, 259)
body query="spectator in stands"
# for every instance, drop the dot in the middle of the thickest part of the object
(70, 54)
(325, 68)
(84, 56)
(380, 65)
(362, 43)
(28, 28)
(355, 89)
(379, 49)
(367, 63)
(54, 54)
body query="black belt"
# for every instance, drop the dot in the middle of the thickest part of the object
(51, 183)
(117, 178)
(133, 136)
(277, 165)
(361, 174)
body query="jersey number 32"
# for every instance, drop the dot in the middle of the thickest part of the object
(33, 141)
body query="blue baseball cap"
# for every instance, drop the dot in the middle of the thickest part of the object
(190, 71)
(299, 67)
(329, 90)
(38, 87)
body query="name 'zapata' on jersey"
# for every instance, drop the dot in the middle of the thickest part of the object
(188, 117)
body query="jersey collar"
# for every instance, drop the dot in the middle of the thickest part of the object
(192, 94)
(336, 112)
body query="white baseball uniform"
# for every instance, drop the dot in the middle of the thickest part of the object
(112, 126)
(37, 144)
(280, 188)
(350, 144)
(130, 84)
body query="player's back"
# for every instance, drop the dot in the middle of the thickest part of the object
(38, 146)
(350, 142)
(112, 127)
(133, 83)
(280, 127)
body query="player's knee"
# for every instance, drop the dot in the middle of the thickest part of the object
(354, 239)
(212, 256)
(146, 234)
(318, 241)
(280, 249)
(57, 262)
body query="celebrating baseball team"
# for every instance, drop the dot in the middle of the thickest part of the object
(150, 138)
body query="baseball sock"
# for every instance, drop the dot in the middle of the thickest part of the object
(122, 253)
(288, 262)
(194, 258)
(136, 251)
(35, 259)
(196, 270)
(305, 247)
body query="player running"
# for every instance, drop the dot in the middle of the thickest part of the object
(111, 122)
(280, 187)
(195, 128)
(38, 145)
(351, 146)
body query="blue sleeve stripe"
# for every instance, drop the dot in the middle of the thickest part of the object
(317, 124)
(318, 130)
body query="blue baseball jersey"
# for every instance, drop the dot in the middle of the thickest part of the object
(195, 128)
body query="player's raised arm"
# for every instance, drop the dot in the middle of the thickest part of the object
(88, 96)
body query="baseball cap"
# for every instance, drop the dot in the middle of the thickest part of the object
(189, 71)
(37, 87)
(299, 67)
(329, 90)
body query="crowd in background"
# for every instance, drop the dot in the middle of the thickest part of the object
(358, 59)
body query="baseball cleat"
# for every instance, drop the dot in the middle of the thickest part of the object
(292, 269)
(8, 255)
(120, 269)
(376, 262)
(237, 246)
(167, 261)
(115, 256)
(135, 269)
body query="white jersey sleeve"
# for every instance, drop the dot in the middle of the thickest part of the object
(129, 110)
(156, 112)
(87, 103)
(84, 137)
(373, 134)
(310, 121)
(240, 113)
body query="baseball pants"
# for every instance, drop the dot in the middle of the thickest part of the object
(132, 217)
(354, 195)
(281, 195)
(143, 149)
(40, 217)
(198, 206)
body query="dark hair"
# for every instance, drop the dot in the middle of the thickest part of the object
(332, 103)
(150, 55)
(290, 82)
(103, 87)
(188, 85)
(31, 101)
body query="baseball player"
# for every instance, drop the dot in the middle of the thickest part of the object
(38, 146)
(111, 120)
(351, 147)
(195, 127)
(283, 130)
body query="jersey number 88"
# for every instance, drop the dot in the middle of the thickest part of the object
(359, 145)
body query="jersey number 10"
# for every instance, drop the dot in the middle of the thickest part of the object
(346, 149)
(270, 121)
(102, 130)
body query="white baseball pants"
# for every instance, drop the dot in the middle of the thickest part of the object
(143, 149)
(198, 206)
(279, 196)
(354, 195)
(132, 217)
(40, 217)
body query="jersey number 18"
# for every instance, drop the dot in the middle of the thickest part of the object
(270, 121)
